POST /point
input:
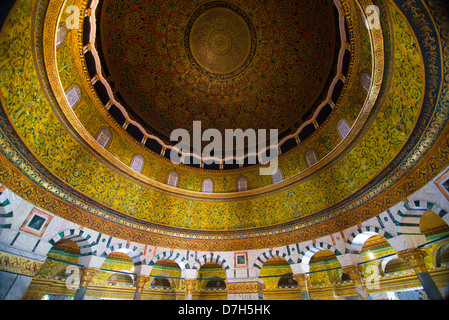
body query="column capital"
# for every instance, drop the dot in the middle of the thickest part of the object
(87, 274)
(354, 273)
(140, 282)
(415, 257)
(301, 279)
(189, 283)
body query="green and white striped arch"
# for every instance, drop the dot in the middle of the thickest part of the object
(310, 250)
(210, 257)
(357, 238)
(84, 241)
(6, 212)
(407, 217)
(170, 255)
(126, 248)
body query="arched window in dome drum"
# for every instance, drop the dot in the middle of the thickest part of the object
(343, 128)
(276, 175)
(104, 137)
(173, 178)
(311, 157)
(61, 34)
(137, 163)
(73, 96)
(365, 81)
(208, 185)
(242, 184)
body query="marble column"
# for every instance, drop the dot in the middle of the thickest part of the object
(140, 282)
(190, 284)
(87, 274)
(354, 273)
(415, 258)
(301, 279)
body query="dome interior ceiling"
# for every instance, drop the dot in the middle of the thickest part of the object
(229, 64)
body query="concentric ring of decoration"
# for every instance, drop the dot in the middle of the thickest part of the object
(219, 197)
(154, 106)
(220, 40)
(406, 160)
(87, 140)
(59, 95)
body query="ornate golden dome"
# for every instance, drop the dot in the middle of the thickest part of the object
(58, 156)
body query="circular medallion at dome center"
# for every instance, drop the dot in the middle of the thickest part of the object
(220, 40)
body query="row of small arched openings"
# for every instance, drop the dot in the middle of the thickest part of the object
(104, 136)
(355, 242)
(73, 96)
(386, 265)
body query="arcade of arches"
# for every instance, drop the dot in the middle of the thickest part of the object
(93, 207)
